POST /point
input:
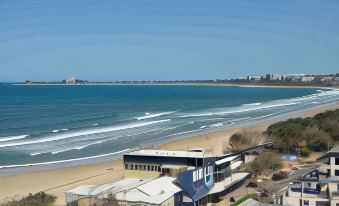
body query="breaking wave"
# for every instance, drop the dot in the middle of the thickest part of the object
(148, 115)
(4, 139)
(82, 133)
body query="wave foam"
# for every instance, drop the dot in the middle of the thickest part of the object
(10, 138)
(241, 110)
(82, 133)
(148, 115)
(68, 160)
(252, 104)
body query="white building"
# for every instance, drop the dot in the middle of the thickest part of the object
(273, 77)
(307, 79)
(319, 187)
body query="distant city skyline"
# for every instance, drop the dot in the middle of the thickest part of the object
(135, 40)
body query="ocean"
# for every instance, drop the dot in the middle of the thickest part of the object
(40, 124)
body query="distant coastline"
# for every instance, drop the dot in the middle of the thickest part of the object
(229, 84)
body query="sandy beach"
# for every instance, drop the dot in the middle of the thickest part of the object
(57, 181)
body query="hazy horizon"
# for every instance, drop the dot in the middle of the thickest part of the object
(144, 40)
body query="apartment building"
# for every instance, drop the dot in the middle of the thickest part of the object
(317, 188)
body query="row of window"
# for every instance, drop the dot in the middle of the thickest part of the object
(198, 174)
(154, 168)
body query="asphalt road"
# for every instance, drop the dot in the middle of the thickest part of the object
(275, 186)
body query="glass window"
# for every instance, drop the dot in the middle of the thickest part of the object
(336, 172)
(336, 161)
(306, 202)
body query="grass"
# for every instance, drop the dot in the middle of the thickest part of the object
(242, 199)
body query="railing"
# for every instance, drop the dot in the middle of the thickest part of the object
(306, 190)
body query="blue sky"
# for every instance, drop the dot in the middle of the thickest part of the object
(166, 40)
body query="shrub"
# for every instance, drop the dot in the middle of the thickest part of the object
(38, 199)
(265, 161)
(244, 140)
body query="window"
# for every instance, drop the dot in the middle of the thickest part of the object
(136, 167)
(152, 168)
(306, 202)
(148, 167)
(336, 172)
(336, 161)
(194, 176)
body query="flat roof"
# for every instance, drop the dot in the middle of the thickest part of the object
(227, 159)
(332, 179)
(166, 153)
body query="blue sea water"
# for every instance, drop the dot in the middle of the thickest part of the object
(56, 123)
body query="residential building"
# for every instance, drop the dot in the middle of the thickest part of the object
(317, 188)
(161, 177)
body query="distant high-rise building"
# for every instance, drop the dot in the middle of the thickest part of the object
(273, 77)
(254, 77)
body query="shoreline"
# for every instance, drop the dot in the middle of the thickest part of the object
(6, 170)
(181, 84)
(56, 181)
(152, 144)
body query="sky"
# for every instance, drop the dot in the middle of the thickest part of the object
(114, 40)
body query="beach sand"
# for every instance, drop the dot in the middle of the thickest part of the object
(57, 181)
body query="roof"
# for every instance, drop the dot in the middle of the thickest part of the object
(173, 166)
(122, 185)
(166, 153)
(252, 202)
(83, 190)
(153, 192)
(111, 187)
(332, 179)
(227, 159)
(335, 148)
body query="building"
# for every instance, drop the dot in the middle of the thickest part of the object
(317, 188)
(161, 177)
(293, 77)
(71, 81)
(131, 191)
(326, 79)
(254, 78)
(307, 79)
(274, 77)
